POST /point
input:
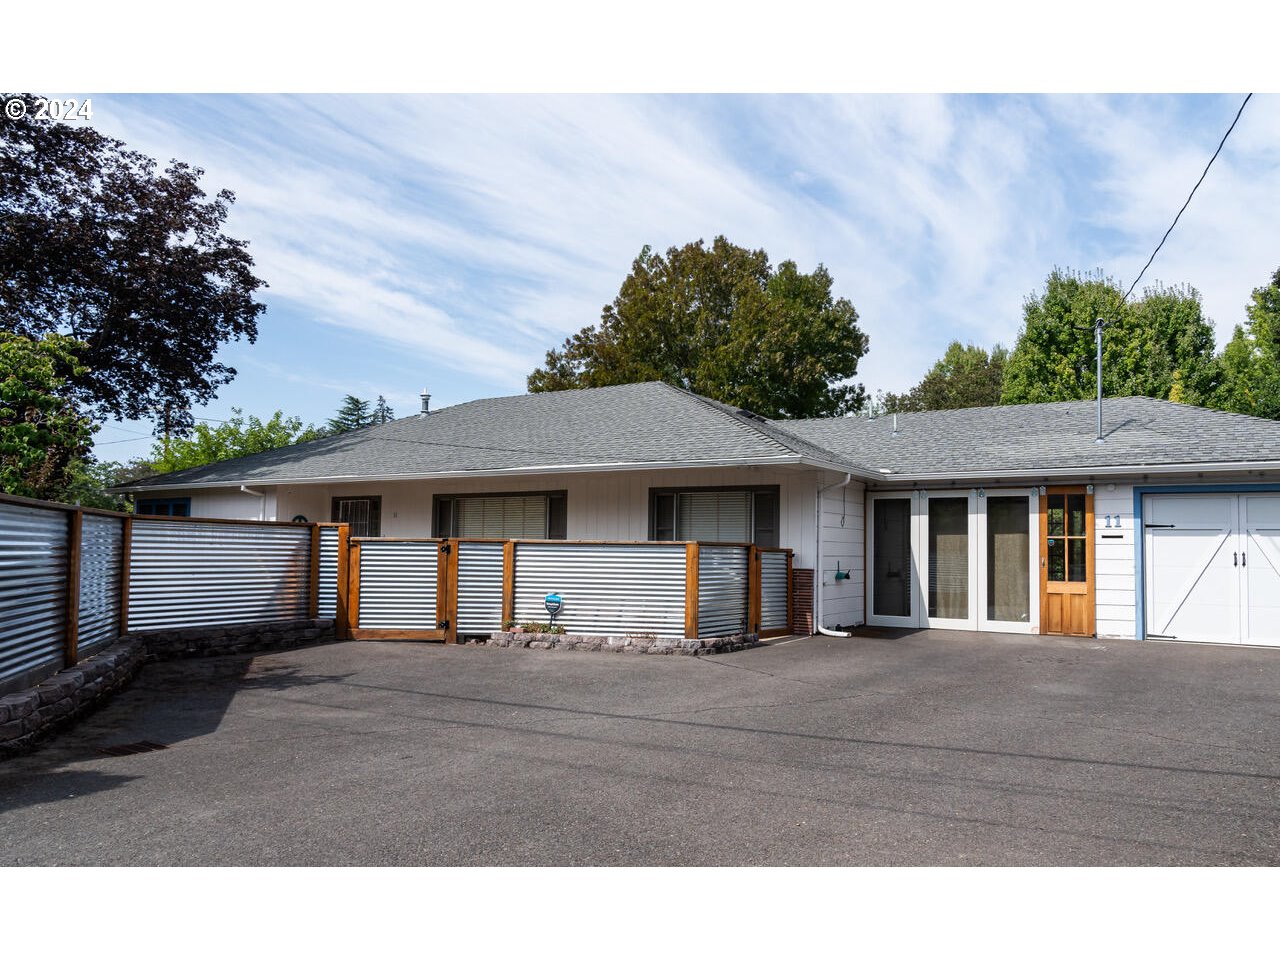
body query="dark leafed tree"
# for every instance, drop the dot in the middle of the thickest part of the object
(98, 243)
(966, 376)
(382, 412)
(1251, 359)
(353, 414)
(1160, 345)
(722, 322)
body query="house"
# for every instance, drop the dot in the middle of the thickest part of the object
(1014, 519)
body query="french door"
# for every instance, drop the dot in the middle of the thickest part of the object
(953, 560)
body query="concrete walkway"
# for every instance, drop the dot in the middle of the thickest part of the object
(929, 748)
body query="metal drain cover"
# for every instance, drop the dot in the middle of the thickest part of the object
(127, 749)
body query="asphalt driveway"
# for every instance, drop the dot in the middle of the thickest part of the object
(922, 749)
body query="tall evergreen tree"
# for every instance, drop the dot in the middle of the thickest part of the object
(382, 412)
(353, 414)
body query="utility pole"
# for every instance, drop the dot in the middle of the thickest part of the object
(1097, 346)
(167, 405)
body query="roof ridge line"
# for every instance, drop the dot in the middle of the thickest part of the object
(727, 410)
(720, 406)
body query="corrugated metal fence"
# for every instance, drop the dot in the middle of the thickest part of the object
(73, 579)
(611, 589)
(101, 580)
(397, 587)
(480, 586)
(183, 573)
(723, 590)
(33, 591)
(775, 592)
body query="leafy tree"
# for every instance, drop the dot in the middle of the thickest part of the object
(239, 436)
(43, 435)
(1160, 345)
(97, 243)
(353, 414)
(382, 412)
(966, 376)
(722, 322)
(1251, 359)
(92, 481)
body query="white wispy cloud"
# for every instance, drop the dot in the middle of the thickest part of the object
(466, 235)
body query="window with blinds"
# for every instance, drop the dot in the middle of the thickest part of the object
(505, 517)
(714, 516)
(724, 515)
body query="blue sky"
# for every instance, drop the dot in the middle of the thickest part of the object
(449, 241)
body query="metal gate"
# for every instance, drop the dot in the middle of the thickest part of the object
(400, 589)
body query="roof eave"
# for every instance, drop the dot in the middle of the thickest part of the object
(781, 461)
(1230, 466)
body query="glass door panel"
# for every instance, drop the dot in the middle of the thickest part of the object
(891, 584)
(948, 550)
(1008, 547)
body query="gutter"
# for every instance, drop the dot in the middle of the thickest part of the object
(1230, 466)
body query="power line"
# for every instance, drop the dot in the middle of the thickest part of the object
(1187, 203)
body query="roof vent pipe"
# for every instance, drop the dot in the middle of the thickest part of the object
(895, 425)
(426, 403)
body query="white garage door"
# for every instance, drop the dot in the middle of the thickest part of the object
(1212, 566)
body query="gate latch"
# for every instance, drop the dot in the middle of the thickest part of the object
(442, 624)
(444, 548)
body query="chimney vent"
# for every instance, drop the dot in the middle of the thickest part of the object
(426, 403)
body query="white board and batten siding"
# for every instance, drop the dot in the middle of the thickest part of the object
(1115, 600)
(601, 506)
(843, 538)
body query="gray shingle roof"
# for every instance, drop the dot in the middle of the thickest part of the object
(638, 423)
(653, 423)
(1044, 436)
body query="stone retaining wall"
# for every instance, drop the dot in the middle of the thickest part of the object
(31, 715)
(28, 716)
(221, 640)
(577, 641)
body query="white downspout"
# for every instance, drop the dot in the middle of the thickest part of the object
(817, 586)
(262, 500)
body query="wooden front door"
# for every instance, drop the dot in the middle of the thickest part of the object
(1066, 562)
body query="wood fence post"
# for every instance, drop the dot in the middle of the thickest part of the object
(126, 553)
(353, 587)
(313, 599)
(691, 591)
(341, 620)
(447, 590)
(508, 582)
(71, 639)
